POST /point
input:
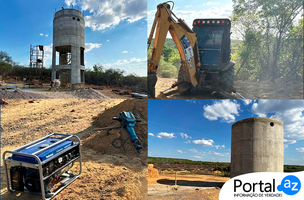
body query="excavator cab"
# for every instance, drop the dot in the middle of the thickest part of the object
(213, 37)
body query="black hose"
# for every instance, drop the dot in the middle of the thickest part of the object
(172, 4)
(122, 143)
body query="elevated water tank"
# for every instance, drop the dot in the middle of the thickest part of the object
(68, 46)
(257, 146)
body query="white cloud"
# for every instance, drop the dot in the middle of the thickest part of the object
(301, 149)
(133, 65)
(48, 51)
(187, 142)
(151, 134)
(124, 51)
(225, 110)
(108, 40)
(217, 11)
(41, 34)
(203, 142)
(220, 154)
(219, 146)
(180, 151)
(191, 101)
(47, 35)
(162, 135)
(90, 46)
(70, 2)
(185, 136)
(211, 3)
(106, 14)
(198, 157)
(288, 142)
(288, 111)
(247, 102)
(126, 62)
(193, 150)
(149, 153)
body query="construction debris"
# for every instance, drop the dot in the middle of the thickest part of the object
(18, 94)
(139, 96)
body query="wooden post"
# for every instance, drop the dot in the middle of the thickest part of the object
(175, 178)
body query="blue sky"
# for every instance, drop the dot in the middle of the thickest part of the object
(201, 129)
(192, 9)
(115, 33)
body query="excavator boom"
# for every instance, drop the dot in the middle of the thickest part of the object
(211, 38)
(186, 42)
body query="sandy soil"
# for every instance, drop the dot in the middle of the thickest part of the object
(280, 89)
(206, 187)
(111, 174)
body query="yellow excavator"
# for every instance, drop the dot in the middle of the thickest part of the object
(204, 52)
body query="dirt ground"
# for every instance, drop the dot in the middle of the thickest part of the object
(91, 92)
(194, 186)
(108, 172)
(280, 89)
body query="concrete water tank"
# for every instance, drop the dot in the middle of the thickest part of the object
(68, 47)
(257, 146)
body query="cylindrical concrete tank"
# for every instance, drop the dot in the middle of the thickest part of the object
(68, 45)
(257, 146)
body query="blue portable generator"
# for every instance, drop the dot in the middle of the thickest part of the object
(41, 165)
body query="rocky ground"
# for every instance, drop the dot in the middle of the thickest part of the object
(280, 89)
(90, 92)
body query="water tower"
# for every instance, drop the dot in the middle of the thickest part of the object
(68, 47)
(257, 145)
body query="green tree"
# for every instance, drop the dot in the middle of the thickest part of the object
(5, 63)
(274, 19)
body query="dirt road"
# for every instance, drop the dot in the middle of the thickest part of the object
(280, 89)
(112, 174)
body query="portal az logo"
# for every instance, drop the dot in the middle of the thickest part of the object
(290, 185)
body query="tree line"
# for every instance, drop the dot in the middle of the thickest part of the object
(114, 77)
(96, 76)
(154, 160)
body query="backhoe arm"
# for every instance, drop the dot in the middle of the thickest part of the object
(185, 39)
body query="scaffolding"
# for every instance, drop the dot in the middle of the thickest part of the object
(36, 56)
(36, 65)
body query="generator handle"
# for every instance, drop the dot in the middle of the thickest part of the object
(31, 143)
(56, 143)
